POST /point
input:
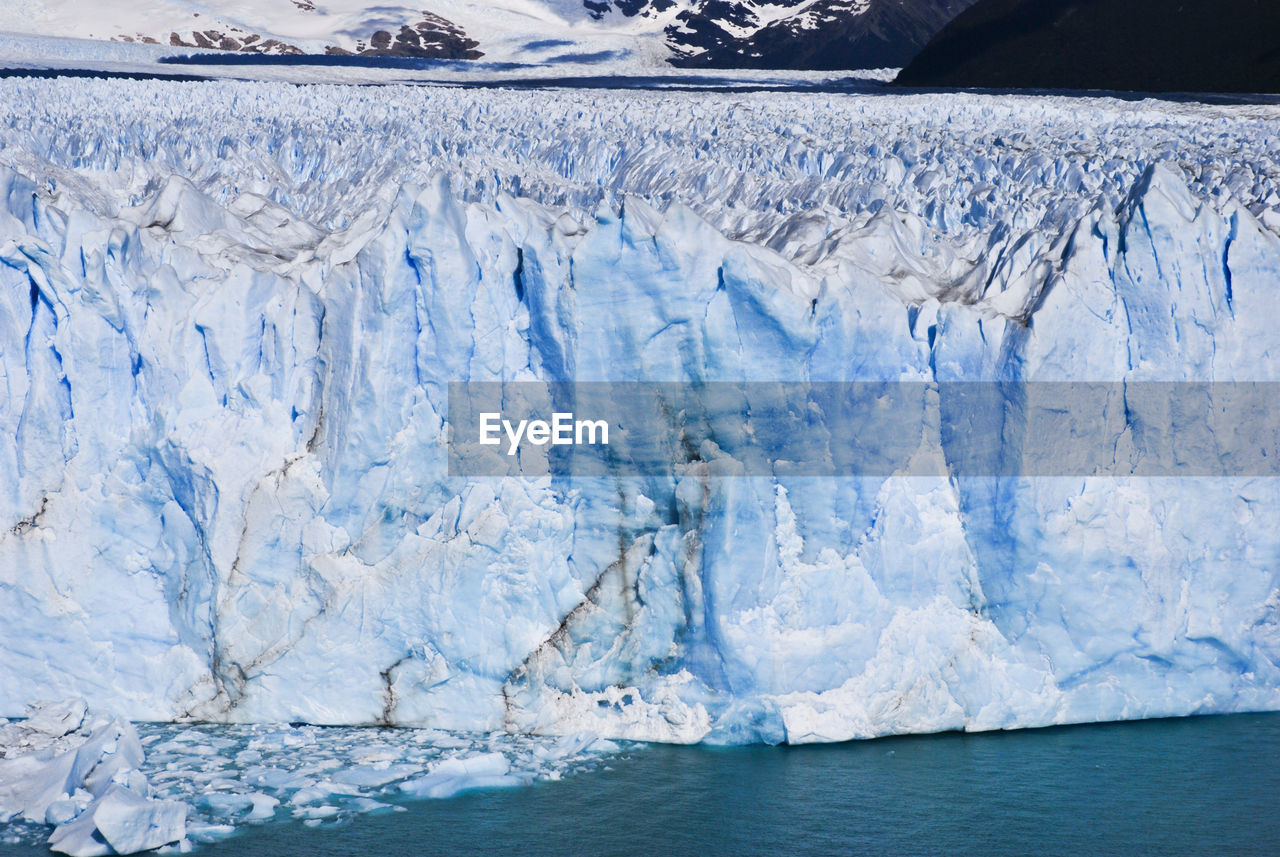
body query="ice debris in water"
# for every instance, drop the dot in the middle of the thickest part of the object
(108, 786)
(81, 772)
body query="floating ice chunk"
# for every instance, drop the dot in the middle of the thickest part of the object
(288, 737)
(113, 748)
(374, 755)
(63, 811)
(365, 805)
(209, 832)
(264, 807)
(221, 803)
(569, 745)
(274, 778)
(38, 759)
(444, 740)
(321, 790)
(441, 786)
(79, 838)
(86, 782)
(454, 776)
(30, 784)
(131, 823)
(315, 812)
(121, 822)
(484, 764)
(372, 776)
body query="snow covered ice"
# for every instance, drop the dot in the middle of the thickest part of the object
(230, 313)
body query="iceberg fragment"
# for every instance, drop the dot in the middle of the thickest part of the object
(454, 776)
(131, 823)
(81, 773)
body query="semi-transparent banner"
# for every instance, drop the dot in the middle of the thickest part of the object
(966, 429)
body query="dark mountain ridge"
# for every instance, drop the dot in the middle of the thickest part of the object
(821, 35)
(1131, 45)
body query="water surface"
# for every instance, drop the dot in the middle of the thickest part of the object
(1203, 786)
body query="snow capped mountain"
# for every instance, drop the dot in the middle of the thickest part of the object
(819, 34)
(815, 34)
(271, 27)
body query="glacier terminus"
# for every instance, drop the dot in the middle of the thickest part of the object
(230, 313)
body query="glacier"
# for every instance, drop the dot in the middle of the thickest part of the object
(230, 312)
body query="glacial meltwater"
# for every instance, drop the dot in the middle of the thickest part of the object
(1201, 785)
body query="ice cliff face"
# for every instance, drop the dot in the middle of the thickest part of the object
(225, 342)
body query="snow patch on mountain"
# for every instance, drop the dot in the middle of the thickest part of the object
(826, 34)
(280, 27)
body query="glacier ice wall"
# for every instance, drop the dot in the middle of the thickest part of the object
(229, 314)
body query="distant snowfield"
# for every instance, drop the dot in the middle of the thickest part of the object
(505, 27)
(526, 31)
(598, 57)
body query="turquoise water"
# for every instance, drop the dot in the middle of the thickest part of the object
(1202, 786)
